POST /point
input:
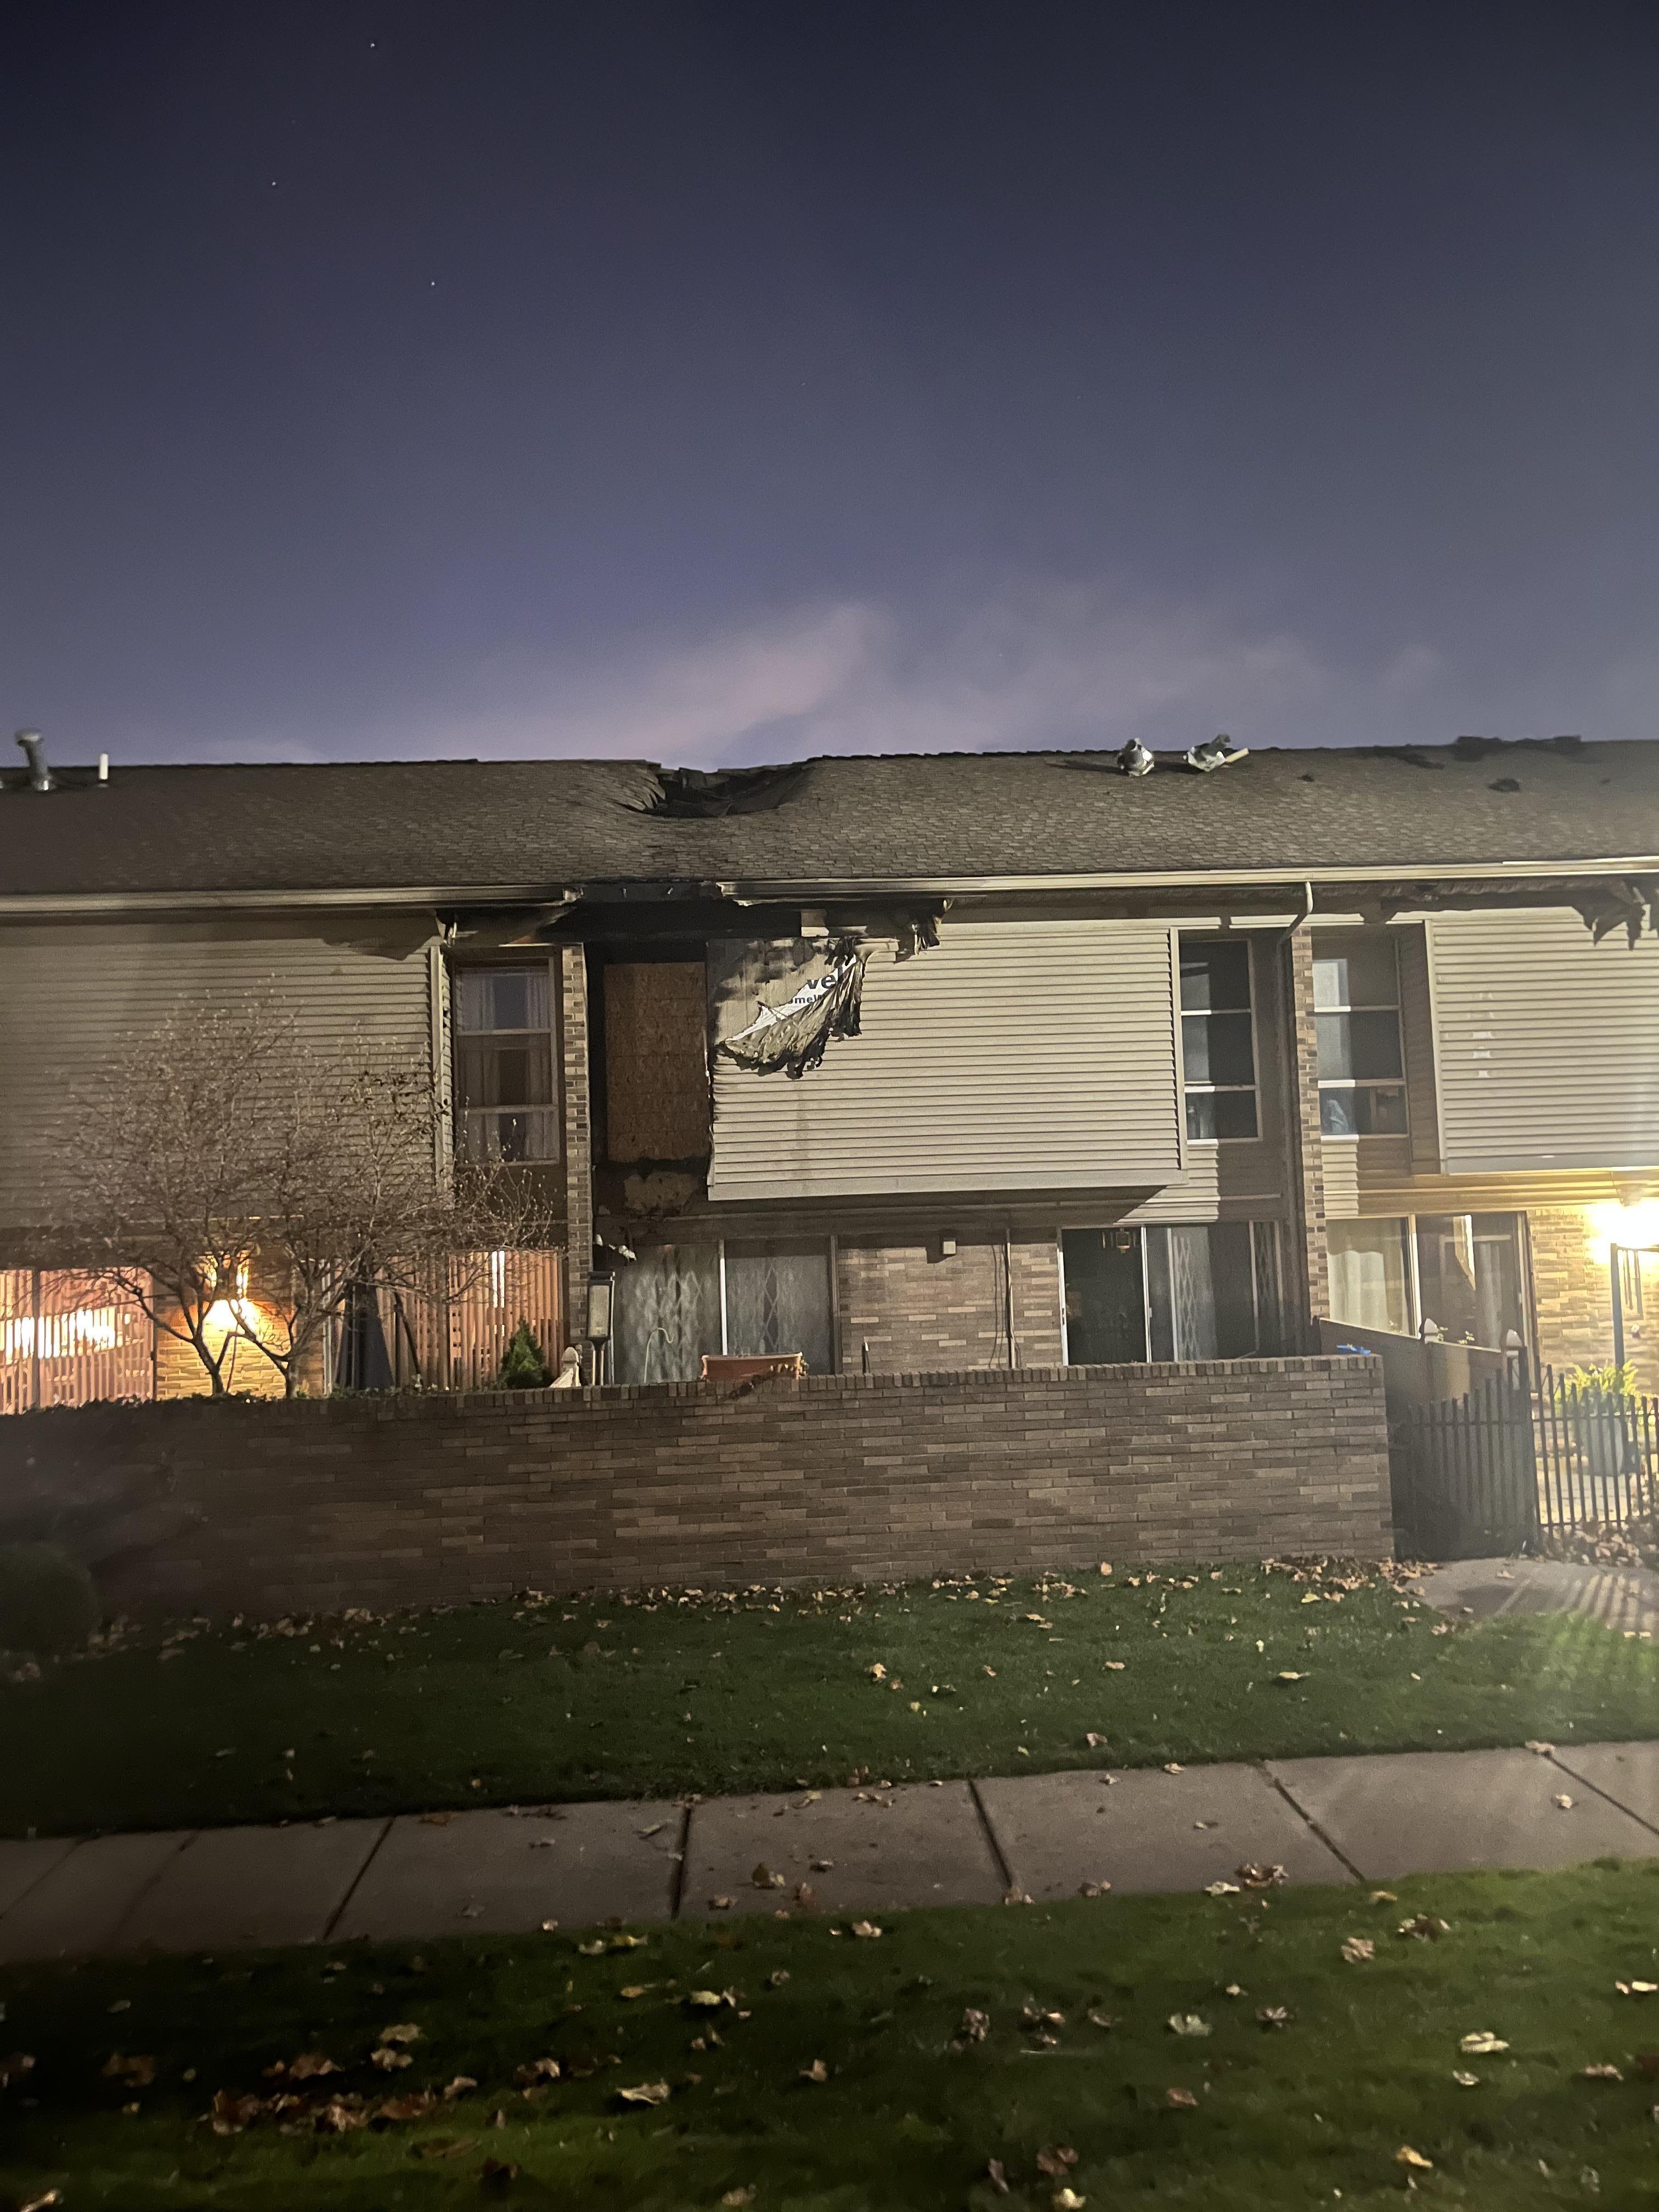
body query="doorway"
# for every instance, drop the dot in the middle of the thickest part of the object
(1105, 1296)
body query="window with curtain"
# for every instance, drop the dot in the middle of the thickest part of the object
(1362, 1090)
(1371, 1275)
(677, 1302)
(506, 1095)
(1218, 1040)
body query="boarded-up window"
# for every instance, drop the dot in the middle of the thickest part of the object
(656, 1061)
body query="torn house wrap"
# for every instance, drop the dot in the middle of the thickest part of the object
(795, 1035)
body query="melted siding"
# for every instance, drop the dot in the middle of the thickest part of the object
(1014, 1056)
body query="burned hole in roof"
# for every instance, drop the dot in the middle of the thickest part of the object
(695, 794)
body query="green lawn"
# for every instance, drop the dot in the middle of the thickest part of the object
(1077, 2055)
(570, 1698)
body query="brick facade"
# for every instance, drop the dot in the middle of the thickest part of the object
(1573, 1300)
(399, 1501)
(919, 1308)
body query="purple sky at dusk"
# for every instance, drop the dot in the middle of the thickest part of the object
(718, 383)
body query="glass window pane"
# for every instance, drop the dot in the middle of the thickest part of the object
(668, 1313)
(1382, 1112)
(527, 1135)
(1201, 1291)
(1499, 1296)
(1335, 1045)
(1361, 976)
(1235, 1113)
(1200, 1115)
(1369, 1285)
(500, 999)
(506, 1074)
(1214, 975)
(1216, 1048)
(1373, 1045)
(777, 1299)
(1338, 1113)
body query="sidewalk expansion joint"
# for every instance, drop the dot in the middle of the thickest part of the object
(1308, 1820)
(992, 1838)
(334, 1917)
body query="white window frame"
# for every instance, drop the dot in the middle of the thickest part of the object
(1366, 1082)
(1190, 1090)
(467, 1118)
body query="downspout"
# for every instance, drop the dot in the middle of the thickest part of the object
(1008, 1292)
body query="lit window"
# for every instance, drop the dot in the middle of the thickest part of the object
(1362, 1092)
(504, 1060)
(1217, 1041)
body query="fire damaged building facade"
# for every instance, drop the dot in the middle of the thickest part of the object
(911, 1064)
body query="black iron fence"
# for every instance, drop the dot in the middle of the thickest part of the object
(1519, 1458)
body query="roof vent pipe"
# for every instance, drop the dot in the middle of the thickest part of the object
(103, 768)
(40, 778)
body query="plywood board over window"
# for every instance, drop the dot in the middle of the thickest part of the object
(656, 1061)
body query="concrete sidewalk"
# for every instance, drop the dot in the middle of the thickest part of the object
(874, 1850)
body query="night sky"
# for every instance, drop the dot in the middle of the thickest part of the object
(728, 383)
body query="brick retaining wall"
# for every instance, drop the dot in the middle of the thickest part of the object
(313, 1506)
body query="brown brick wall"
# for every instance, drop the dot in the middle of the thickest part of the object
(918, 1307)
(316, 1505)
(1573, 1298)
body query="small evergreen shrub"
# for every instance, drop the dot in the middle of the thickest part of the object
(523, 1367)
(47, 1603)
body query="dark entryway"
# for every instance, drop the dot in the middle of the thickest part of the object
(1105, 1296)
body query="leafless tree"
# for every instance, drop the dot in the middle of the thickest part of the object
(241, 1184)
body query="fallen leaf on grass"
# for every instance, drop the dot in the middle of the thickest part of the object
(1407, 2156)
(817, 2071)
(1425, 1928)
(498, 2171)
(1358, 1948)
(1383, 1897)
(637, 1990)
(1068, 2200)
(1465, 2080)
(403, 2030)
(1221, 1889)
(736, 2196)
(458, 2087)
(996, 2175)
(549, 1927)
(1271, 2016)
(1602, 2073)
(715, 1905)
(1016, 1897)
(1174, 1768)
(1637, 1989)
(538, 2070)
(337, 2117)
(309, 2066)
(1189, 2023)
(975, 2025)
(645, 2092)
(41, 2203)
(1183, 2100)
(1093, 1888)
(1482, 2043)
(1256, 1875)
(1114, 1666)
(711, 2000)
(1288, 1676)
(1056, 2161)
(445, 2146)
(229, 2114)
(1542, 1750)
(389, 2061)
(1102, 2019)
(138, 2072)
(399, 2109)
(1096, 1743)
(866, 1927)
(1033, 2016)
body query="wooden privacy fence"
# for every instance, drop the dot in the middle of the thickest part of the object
(451, 1332)
(66, 1338)
(1513, 1461)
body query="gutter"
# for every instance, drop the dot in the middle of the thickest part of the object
(786, 891)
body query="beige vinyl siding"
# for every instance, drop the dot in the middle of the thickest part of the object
(1339, 1160)
(1546, 1044)
(1012, 1056)
(73, 996)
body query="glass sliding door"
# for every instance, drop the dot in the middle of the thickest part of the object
(1203, 1290)
(1464, 1272)
(777, 1300)
(1371, 1275)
